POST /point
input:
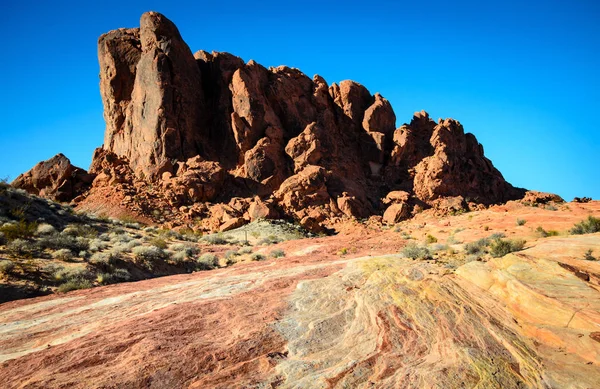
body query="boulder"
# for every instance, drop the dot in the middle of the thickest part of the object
(55, 178)
(396, 212)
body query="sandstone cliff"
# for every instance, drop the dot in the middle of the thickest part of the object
(187, 131)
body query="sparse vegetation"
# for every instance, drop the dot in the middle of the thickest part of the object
(430, 239)
(245, 250)
(587, 226)
(501, 247)
(257, 257)
(6, 266)
(19, 230)
(74, 284)
(277, 253)
(207, 261)
(415, 251)
(521, 222)
(588, 256)
(542, 233)
(63, 255)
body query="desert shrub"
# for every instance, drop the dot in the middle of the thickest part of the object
(97, 245)
(105, 236)
(551, 207)
(62, 274)
(588, 256)
(244, 250)
(149, 253)
(74, 284)
(478, 247)
(117, 275)
(2, 239)
(207, 261)
(158, 242)
(343, 251)
(6, 266)
(187, 249)
(497, 235)
(150, 229)
(63, 255)
(521, 222)
(257, 257)
(430, 239)
(588, 226)
(501, 247)
(542, 233)
(20, 248)
(84, 254)
(103, 259)
(45, 229)
(123, 237)
(414, 251)
(271, 239)
(179, 257)
(277, 253)
(19, 230)
(190, 235)
(81, 230)
(215, 239)
(60, 241)
(230, 256)
(438, 247)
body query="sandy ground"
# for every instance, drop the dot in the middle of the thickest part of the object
(344, 311)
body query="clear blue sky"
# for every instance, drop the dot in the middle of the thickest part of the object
(524, 78)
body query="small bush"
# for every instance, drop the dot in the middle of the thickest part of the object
(271, 239)
(149, 253)
(45, 229)
(478, 247)
(187, 249)
(544, 234)
(501, 247)
(430, 239)
(2, 239)
(414, 251)
(277, 253)
(158, 242)
(207, 261)
(438, 247)
(244, 250)
(6, 266)
(497, 235)
(63, 255)
(588, 226)
(103, 259)
(118, 275)
(588, 256)
(257, 257)
(74, 284)
(62, 273)
(20, 248)
(521, 222)
(19, 230)
(452, 240)
(215, 239)
(81, 230)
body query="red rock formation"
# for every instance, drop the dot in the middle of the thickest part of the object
(55, 178)
(209, 128)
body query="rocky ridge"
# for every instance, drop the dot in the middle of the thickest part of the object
(206, 138)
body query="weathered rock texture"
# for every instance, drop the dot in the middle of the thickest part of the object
(55, 178)
(209, 127)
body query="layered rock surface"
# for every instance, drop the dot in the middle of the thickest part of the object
(208, 127)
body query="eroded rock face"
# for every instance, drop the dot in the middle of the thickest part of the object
(208, 127)
(55, 178)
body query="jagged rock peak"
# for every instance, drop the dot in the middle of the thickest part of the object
(209, 128)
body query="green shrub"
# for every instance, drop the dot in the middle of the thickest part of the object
(20, 248)
(207, 261)
(414, 251)
(74, 284)
(277, 253)
(588, 256)
(158, 242)
(117, 275)
(501, 247)
(81, 230)
(45, 229)
(59, 241)
(245, 250)
(521, 222)
(544, 234)
(478, 247)
(215, 239)
(430, 239)
(588, 226)
(257, 257)
(2, 239)
(63, 255)
(18, 230)
(149, 254)
(6, 266)
(188, 249)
